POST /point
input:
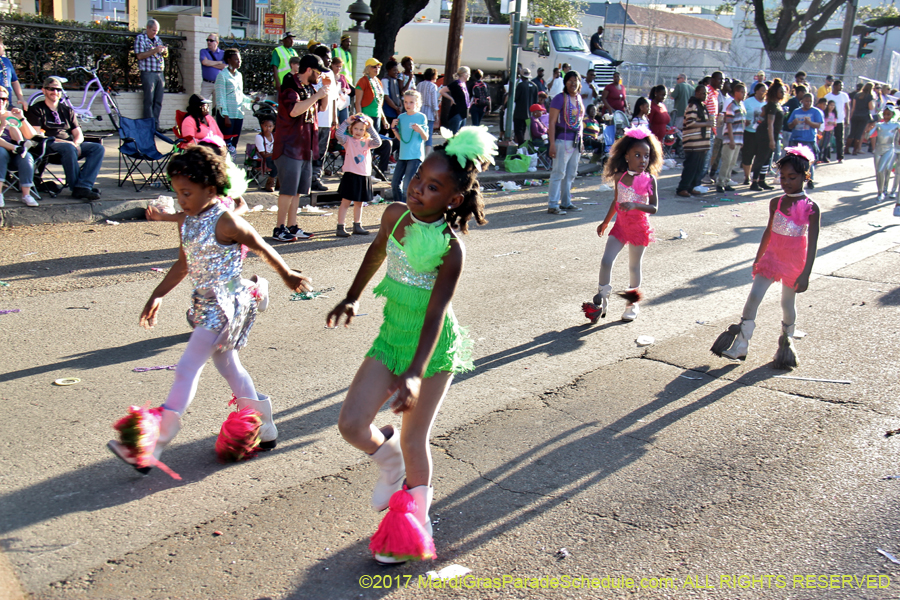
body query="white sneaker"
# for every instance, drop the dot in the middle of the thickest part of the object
(30, 201)
(879, 197)
(892, 195)
(734, 183)
(702, 189)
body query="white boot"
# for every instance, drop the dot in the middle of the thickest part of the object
(602, 299)
(262, 285)
(268, 433)
(389, 458)
(423, 495)
(738, 350)
(169, 426)
(631, 312)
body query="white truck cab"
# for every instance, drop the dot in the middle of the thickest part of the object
(550, 47)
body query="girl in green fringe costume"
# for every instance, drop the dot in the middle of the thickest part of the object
(420, 345)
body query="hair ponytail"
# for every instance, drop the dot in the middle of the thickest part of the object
(471, 206)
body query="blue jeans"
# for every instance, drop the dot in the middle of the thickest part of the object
(429, 141)
(24, 164)
(85, 177)
(477, 114)
(235, 130)
(404, 171)
(565, 168)
(343, 115)
(455, 123)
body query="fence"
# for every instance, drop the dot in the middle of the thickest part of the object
(38, 50)
(256, 66)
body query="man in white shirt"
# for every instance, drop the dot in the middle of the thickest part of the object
(842, 104)
(327, 118)
(590, 93)
(558, 85)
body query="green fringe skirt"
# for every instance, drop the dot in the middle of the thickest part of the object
(404, 316)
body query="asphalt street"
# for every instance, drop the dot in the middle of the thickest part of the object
(569, 458)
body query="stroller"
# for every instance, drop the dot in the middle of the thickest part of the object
(615, 126)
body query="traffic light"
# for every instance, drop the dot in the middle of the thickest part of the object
(865, 42)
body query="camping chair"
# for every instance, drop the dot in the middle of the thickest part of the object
(184, 141)
(12, 179)
(45, 180)
(334, 156)
(138, 151)
(255, 166)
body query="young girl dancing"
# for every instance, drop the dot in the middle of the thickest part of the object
(225, 307)
(784, 255)
(356, 184)
(886, 132)
(420, 345)
(634, 161)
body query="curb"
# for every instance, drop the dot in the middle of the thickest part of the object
(120, 210)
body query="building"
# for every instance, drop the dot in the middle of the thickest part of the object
(656, 37)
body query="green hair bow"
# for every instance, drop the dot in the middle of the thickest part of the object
(471, 143)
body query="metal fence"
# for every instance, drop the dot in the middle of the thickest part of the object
(38, 50)
(256, 66)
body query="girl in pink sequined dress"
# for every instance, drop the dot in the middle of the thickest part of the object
(633, 164)
(786, 254)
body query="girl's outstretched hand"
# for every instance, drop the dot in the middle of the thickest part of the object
(601, 228)
(802, 283)
(148, 315)
(345, 308)
(297, 282)
(407, 389)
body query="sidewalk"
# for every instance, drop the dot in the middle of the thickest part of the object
(119, 203)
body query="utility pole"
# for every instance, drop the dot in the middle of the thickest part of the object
(513, 69)
(624, 23)
(455, 39)
(847, 34)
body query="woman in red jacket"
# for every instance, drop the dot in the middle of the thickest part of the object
(659, 117)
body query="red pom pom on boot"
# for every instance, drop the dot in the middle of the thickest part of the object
(143, 434)
(239, 437)
(401, 536)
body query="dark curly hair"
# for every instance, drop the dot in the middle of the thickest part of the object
(201, 166)
(466, 182)
(616, 163)
(800, 164)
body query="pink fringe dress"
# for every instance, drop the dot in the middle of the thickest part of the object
(633, 226)
(785, 256)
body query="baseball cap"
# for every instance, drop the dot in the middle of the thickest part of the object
(373, 62)
(536, 108)
(287, 34)
(526, 72)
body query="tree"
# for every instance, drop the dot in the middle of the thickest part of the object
(388, 16)
(808, 22)
(300, 18)
(553, 12)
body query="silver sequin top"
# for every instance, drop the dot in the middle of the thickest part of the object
(209, 262)
(627, 194)
(782, 225)
(399, 269)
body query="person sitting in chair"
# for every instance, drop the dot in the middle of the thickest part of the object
(198, 123)
(60, 125)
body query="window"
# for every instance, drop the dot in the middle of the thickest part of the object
(568, 40)
(529, 41)
(544, 44)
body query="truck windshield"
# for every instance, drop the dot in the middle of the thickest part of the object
(568, 40)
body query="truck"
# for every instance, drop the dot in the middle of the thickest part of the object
(487, 47)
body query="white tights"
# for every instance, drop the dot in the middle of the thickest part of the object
(199, 349)
(758, 291)
(635, 255)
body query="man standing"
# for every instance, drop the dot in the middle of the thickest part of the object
(842, 104)
(715, 109)
(281, 59)
(211, 62)
(804, 123)
(327, 115)
(151, 53)
(539, 80)
(557, 86)
(760, 77)
(825, 88)
(589, 91)
(61, 126)
(343, 52)
(526, 95)
(682, 92)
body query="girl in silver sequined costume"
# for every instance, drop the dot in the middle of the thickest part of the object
(225, 305)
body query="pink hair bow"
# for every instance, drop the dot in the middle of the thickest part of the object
(802, 151)
(640, 132)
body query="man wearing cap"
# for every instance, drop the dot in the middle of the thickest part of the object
(211, 62)
(343, 52)
(370, 93)
(61, 126)
(760, 77)
(526, 95)
(281, 59)
(326, 116)
(825, 88)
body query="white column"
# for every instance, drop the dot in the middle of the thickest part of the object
(137, 14)
(195, 29)
(221, 12)
(362, 47)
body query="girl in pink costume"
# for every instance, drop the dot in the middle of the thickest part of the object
(634, 162)
(786, 254)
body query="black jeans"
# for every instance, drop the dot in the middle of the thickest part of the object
(839, 140)
(692, 172)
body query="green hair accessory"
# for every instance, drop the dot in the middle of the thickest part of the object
(471, 144)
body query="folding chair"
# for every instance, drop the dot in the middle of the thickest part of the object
(12, 179)
(255, 166)
(334, 157)
(138, 151)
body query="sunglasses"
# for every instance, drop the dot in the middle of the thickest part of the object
(53, 90)
(4, 98)
(211, 41)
